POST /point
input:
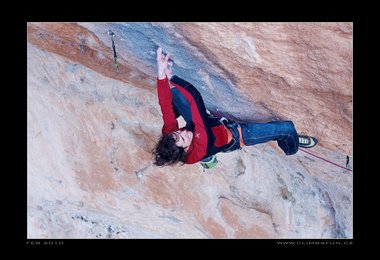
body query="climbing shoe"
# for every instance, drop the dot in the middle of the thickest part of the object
(306, 141)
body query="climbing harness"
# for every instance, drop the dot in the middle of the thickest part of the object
(212, 161)
(110, 33)
(326, 160)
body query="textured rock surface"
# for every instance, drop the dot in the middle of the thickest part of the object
(91, 128)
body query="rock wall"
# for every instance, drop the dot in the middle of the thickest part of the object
(91, 128)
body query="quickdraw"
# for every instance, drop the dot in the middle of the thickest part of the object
(110, 33)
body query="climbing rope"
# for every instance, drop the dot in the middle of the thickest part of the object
(325, 159)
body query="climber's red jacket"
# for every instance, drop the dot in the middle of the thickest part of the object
(209, 136)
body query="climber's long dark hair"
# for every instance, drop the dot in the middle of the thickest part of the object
(166, 152)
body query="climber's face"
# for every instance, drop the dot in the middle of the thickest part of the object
(183, 138)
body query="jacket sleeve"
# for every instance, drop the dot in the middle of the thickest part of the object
(165, 101)
(198, 148)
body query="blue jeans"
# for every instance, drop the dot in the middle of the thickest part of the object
(283, 132)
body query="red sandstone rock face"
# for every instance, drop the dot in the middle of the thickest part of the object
(297, 71)
(91, 128)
